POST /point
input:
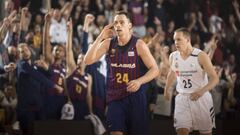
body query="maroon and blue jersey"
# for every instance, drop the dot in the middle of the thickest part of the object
(124, 65)
(54, 99)
(57, 77)
(77, 85)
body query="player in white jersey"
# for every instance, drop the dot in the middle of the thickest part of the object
(192, 68)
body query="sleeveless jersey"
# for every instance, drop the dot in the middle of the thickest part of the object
(77, 85)
(124, 65)
(190, 75)
(59, 73)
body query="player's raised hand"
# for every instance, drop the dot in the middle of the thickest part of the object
(107, 31)
(69, 26)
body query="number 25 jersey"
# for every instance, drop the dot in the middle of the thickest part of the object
(190, 75)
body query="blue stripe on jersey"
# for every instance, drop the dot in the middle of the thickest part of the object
(124, 65)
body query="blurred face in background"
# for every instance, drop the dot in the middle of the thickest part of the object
(9, 6)
(24, 52)
(61, 2)
(38, 19)
(57, 14)
(101, 20)
(37, 29)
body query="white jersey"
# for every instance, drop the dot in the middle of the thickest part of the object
(190, 75)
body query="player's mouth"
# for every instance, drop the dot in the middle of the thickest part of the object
(118, 30)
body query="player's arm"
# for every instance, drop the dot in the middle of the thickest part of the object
(207, 66)
(46, 39)
(89, 94)
(100, 46)
(171, 77)
(71, 65)
(148, 60)
(150, 63)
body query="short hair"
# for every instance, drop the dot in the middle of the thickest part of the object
(185, 31)
(121, 12)
(21, 45)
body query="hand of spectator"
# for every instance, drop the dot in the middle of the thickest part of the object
(48, 16)
(234, 77)
(10, 91)
(220, 72)
(12, 16)
(156, 38)
(165, 49)
(69, 26)
(10, 67)
(213, 42)
(89, 18)
(41, 63)
(227, 70)
(166, 95)
(235, 5)
(192, 18)
(199, 16)
(25, 19)
(157, 21)
(6, 22)
(58, 88)
(231, 19)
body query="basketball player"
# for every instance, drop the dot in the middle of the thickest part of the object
(79, 83)
(54, 57)
(130, 67)
(193, 104)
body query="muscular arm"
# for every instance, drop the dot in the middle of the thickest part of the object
(89, 94)
(148, 60)
(99, 47)
(46, 40)
(150, 63)
(71, 65)
(206, 63)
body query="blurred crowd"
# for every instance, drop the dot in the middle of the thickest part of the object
(41, 31)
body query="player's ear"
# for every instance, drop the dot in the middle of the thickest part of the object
(189, 40)
(130, 25)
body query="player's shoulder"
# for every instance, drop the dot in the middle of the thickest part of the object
(173, 54)
(139, 42)
(199, 53)
(141, 45)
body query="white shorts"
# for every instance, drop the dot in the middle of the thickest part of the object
(194, 115)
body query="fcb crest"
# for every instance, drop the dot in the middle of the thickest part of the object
(112, 52)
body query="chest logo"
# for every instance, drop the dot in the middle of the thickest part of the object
(131, 53)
